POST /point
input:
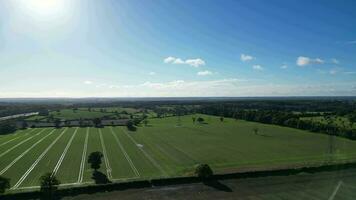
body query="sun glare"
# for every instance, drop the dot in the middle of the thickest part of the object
(43, 8)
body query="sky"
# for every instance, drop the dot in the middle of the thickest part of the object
(177, 48)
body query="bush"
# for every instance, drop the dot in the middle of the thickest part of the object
(7, 127)
(4, 184)
(130, 125)
(200, 120)
(203, 171)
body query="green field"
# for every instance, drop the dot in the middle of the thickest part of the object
(165, 147)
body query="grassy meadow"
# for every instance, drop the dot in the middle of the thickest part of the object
(166, 147)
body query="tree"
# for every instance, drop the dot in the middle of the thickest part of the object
(130, 125)
(255, 130)
(49, 185)
(221, 119)
(43, 112)
(145, 122)
(4, 184)
(7, 127)
(203, 171)
(200, 119)
(97, 122)
(57, 123)
(94, 160)
(194, 119)
(24, 124)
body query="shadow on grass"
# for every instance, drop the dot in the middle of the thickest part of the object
(217, 185)
(132, 128)
(100, 178)
(263, 135)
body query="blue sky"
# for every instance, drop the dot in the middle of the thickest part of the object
(158, 48)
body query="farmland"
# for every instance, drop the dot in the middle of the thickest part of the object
(165, 147)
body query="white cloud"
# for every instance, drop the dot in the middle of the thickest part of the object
(88, 82)
(257, 67)
(196, 62)
(169, 59)
(284, 66)
(245, 57)
(204, 73)
(178, 61)
(303, 61)
(335, 61)
(152, 73)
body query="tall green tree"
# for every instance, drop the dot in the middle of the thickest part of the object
(94, 160)
(49, 186)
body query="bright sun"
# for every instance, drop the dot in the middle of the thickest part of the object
(43, 8)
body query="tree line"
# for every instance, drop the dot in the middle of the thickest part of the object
(283, 118)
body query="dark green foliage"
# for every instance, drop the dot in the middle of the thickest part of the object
(43, 112)
(4, 184)
(200, 119)
(97, 122)
(49, 186)
(203, 171)
(94, 160)
(130, 125)
(57, 123)
(24, 125)
(7, 127)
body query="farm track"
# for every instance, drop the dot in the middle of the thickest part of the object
(153, 161)
(55, 170)
(24, 153)
(129, 160)
(106, 160)
(82, 164)
(24, 176)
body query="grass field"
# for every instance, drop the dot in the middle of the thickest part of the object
(160, 149)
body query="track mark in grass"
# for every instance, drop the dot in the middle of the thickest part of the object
(134, 169)
(18, 144)
(24, 176)
(24, 153)
(14, 138)
(55, 170)
(107, 164)
(82, 164)
(154, 162)
(335, 190)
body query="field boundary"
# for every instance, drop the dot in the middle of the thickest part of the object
(89, 189)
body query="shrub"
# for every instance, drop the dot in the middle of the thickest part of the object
(203, 171)
(4, 184)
